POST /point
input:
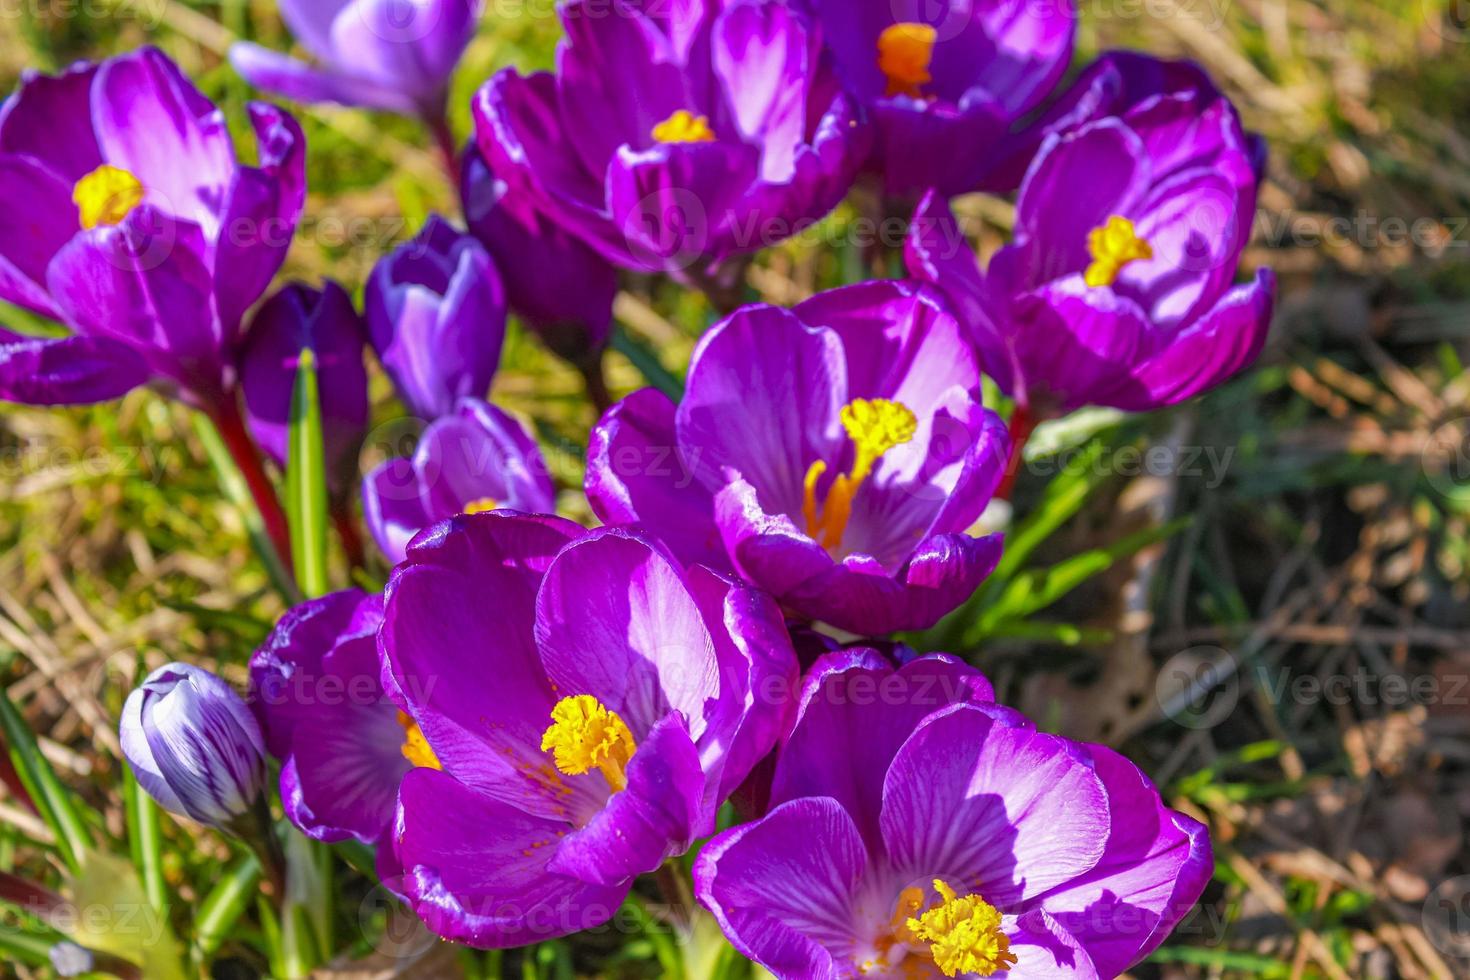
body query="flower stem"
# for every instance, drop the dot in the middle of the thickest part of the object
(1022, 424)
(242, 450)
(347, 531)
(437, 122)
(596, 380)
(678, 899)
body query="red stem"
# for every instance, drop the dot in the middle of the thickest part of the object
(347, 531)
(1022, 424)
(596, 379)
(232, 431)
(438, 123)
(12, 781)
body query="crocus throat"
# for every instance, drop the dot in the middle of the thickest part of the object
(963, 933)
(1112, 246)
(585, 735)
(874, 426)
(415, 746)
(904, 53)
(480, 505)
(684, 127)
(105, 196)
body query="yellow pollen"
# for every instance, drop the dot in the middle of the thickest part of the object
(481, 505)
(584, 735)
(1112, 246)
(415, 746)
(105, 196)
(963, 934)
(684, 127)
(904, 53)
(874, 426)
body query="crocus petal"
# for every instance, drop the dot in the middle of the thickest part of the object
(261, 208)
(783, 888)
(656, 817)
(152, 122)
(1078, 181)
(938, 253)
(286, 669)
(760, 53)
(393, 507)
(601, 40)
(559, 286)
(635, 474)
(1156, 864)
(458, 638)
(67, 370)
(764, 394)
(1044, 949)
(288, 78)
(947, 147)
(856, 697)
(415, 53)
(323, 321)
(311, 21)
(481, 451)
(488, 890)
(672, 205)
(978, 792)
(37, 218)
(346, 756)
(759, 675)
(1080, 344)
(615, 619)
(1223, 342)
(49, 118)
(144, 283)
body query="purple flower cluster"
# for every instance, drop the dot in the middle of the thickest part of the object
(532, 714)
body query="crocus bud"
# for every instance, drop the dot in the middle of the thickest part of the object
(558, 285)
(436, 317)
(194, 745)
(323, 321)
(381, 54)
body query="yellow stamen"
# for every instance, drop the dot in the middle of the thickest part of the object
(415, 746)
(904, 53)
(584, 735)
(684, 127)
(1112, 246)
(874, 426)
(481, 505)
(963, 934)
(105, 196)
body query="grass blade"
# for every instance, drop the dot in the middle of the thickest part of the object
(306, 481)
(222, 907)
(145, 839)
(52, 798)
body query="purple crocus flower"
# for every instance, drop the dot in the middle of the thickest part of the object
(1118, 289)
(393, 55)
(127, 216)
(476, 458)
(297, 318)
(910, 838)
(559, 286)
(194, 745)
(344, 745)
(436, 316)
(833, 455)
(946, 82)
(725, 130)
(592, 703)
